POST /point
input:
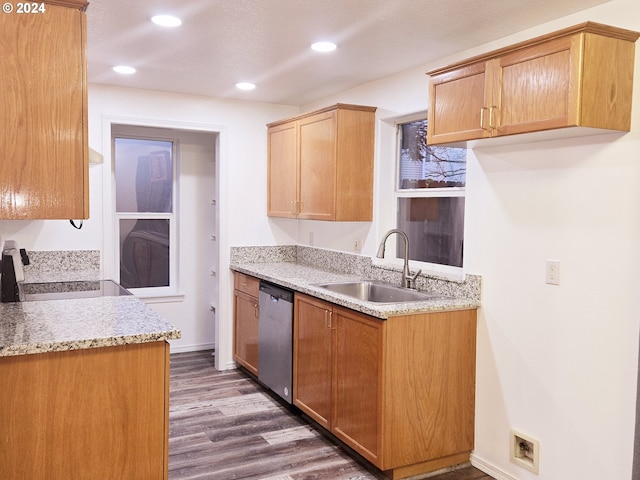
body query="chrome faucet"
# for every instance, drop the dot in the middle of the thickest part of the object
(407, 278)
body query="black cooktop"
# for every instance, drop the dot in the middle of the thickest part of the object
(73, 289)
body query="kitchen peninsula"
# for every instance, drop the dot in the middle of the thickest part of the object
(84, 389)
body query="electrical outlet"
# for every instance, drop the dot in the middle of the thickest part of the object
(311, 238)
(357, 245)
(553, 272)
(525, 451)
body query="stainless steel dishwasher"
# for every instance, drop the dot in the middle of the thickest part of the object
(275, 339)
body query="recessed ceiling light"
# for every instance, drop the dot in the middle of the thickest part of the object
(323, 47)
(166, 20)
(124, 69)
(245, 85)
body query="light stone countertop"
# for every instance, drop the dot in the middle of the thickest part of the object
(75, 323)
(302, 278)
(59, 325)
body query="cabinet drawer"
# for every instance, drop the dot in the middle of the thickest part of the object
(247, 284)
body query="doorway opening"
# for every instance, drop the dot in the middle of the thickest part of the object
(164, 203)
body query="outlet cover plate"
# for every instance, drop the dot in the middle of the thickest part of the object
(525, 451)
(553, 272)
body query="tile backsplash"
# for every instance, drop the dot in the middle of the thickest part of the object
(355, 264)
(62, 265)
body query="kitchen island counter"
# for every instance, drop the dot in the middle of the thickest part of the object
(84, 387)
(73, 324)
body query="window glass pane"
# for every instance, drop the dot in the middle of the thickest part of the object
(426, 166)
(144, 253)
(435, 227)
(144, 175)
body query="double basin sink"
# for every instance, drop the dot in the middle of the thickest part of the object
(378, 292)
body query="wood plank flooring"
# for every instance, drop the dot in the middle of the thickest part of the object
(224, 425)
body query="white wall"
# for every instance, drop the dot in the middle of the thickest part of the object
(241, 170)
(59, 234)
(558, 363)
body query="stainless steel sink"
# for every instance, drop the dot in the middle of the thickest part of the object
(378, 292)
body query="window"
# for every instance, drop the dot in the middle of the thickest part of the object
(145, 220)
(430, 197)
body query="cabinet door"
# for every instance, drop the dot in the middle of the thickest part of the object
(358, 382)
(460, 105)
(318, 166)
(312, 358)
(539, 87)
(95, 413)
(429, 396)
(245, 348)
(43, 147)
(282, 171)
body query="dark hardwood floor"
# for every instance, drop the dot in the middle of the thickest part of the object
(223, 425)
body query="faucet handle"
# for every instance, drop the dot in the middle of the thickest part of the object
(412, 278)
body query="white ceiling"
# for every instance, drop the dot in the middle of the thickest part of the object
(222, 42)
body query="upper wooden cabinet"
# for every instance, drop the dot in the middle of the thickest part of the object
(577, 77)
(320, 165)
(43, 119)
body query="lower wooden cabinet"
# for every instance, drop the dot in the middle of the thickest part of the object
(86, 414)
(246, 313)
(400, 392)
(313, 339)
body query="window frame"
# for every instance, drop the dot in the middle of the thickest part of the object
(441, 192)
(173, 288)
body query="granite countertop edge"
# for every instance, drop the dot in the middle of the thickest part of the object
(37, 327)
(302, 279)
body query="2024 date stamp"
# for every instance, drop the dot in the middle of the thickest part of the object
(24, 7)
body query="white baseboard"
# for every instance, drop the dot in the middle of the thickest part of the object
(192, 348)
(489, 468)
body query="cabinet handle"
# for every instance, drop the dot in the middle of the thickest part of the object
(328, 316)
(296, 207)
(256, 310)
(491, 109)
(482, 117)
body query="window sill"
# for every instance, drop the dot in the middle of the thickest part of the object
(443, 272)
(160, 298)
